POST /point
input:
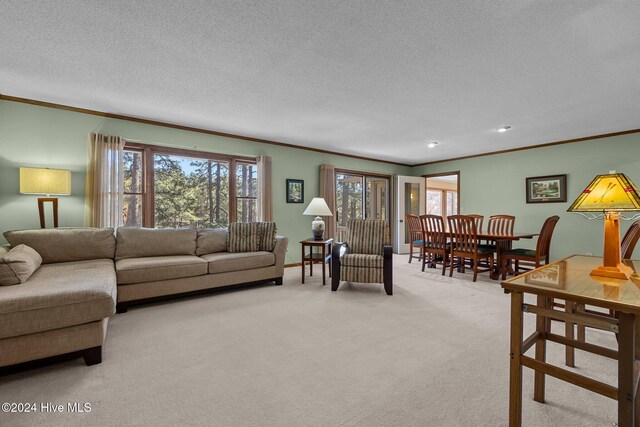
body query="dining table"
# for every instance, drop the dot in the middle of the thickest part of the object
(503, 241)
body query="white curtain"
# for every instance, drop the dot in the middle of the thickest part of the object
(105, 177)
(328, 193)
(265, 192)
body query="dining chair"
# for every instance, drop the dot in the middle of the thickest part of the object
(465, 245)
(479, 220)
(416, 236)
(630, 240)
(530, 257)
(435, 239)
(499, 224)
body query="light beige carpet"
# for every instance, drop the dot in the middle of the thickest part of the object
(433, 354)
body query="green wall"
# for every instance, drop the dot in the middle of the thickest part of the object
(495, 184)
(46, 137)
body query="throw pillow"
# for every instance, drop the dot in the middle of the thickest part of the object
(244, 237)
(17, 265)
(268, 236)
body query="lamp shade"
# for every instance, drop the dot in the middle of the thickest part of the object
(610, 192)
(45, 181)
(318, 207)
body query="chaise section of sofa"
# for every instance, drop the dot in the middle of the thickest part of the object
(65, 305)
(152, 263)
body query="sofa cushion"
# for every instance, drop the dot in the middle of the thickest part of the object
(223, 262)
(151, 269)
(17, 265)
(267, 236)
(211, 240)
(362, 260)
(244, 237)
(59, 295)
(148, 242)
(66, 244)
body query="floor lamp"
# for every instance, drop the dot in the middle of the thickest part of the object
(49, 182)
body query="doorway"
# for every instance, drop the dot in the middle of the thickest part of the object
(442, 194)
(410, 199)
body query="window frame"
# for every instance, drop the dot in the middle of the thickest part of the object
(364, 176)
(148, 155)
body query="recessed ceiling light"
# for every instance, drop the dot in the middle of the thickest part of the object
(504, 128)
(432, 144)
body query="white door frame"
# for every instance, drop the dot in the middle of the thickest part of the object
(399, 245)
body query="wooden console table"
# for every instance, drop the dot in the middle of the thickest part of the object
(569, 280)
(323, 257)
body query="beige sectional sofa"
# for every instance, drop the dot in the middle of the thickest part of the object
(65, 305)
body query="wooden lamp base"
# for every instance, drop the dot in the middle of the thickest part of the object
(612, 266)
(54, 202)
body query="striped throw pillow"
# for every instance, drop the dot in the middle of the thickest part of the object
(244, 237)
(268, 236)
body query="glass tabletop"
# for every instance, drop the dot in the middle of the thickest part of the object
(569, 279)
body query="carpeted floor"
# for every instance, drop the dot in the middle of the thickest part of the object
(433, 354)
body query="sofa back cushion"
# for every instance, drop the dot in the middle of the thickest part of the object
(144, 242)
(66, 244)
(17, 265)
(211, 240)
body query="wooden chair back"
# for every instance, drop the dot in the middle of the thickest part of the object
(464, 234)
(414, 226)
(479, 220)
(434, 231)
(544, 240)
(630, 239)
(501, 224)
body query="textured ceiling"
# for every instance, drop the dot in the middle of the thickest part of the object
(372, 78)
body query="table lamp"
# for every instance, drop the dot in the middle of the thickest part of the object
(46, 181)
(317, 207)
(609, 194)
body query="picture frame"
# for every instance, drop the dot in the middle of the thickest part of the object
(547, 189)
(552, 276)
(295, 191)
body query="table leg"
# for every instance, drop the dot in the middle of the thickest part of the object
(626, 361)
(324, 264)
(515, 368)
(302, 264)
(311, 261)
(541, 351)
(569, 331)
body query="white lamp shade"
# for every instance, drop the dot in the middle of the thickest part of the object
(318, 207)
(45, 181)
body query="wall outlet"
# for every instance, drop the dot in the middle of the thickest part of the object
(589, 254)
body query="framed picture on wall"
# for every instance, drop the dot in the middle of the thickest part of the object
(547, 189)
(295, 191)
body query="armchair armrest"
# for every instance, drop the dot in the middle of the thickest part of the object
(387, 269)
(335, 264)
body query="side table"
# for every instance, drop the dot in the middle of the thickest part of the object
(322, 257)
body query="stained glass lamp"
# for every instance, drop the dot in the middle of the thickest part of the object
(609, 195)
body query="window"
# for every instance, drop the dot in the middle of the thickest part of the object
(133, 188)
(247, 191)
(173, 188)
(442, 202)
(360, 195)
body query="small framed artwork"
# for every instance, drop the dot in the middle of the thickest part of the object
(547, 189)
(295, 191)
